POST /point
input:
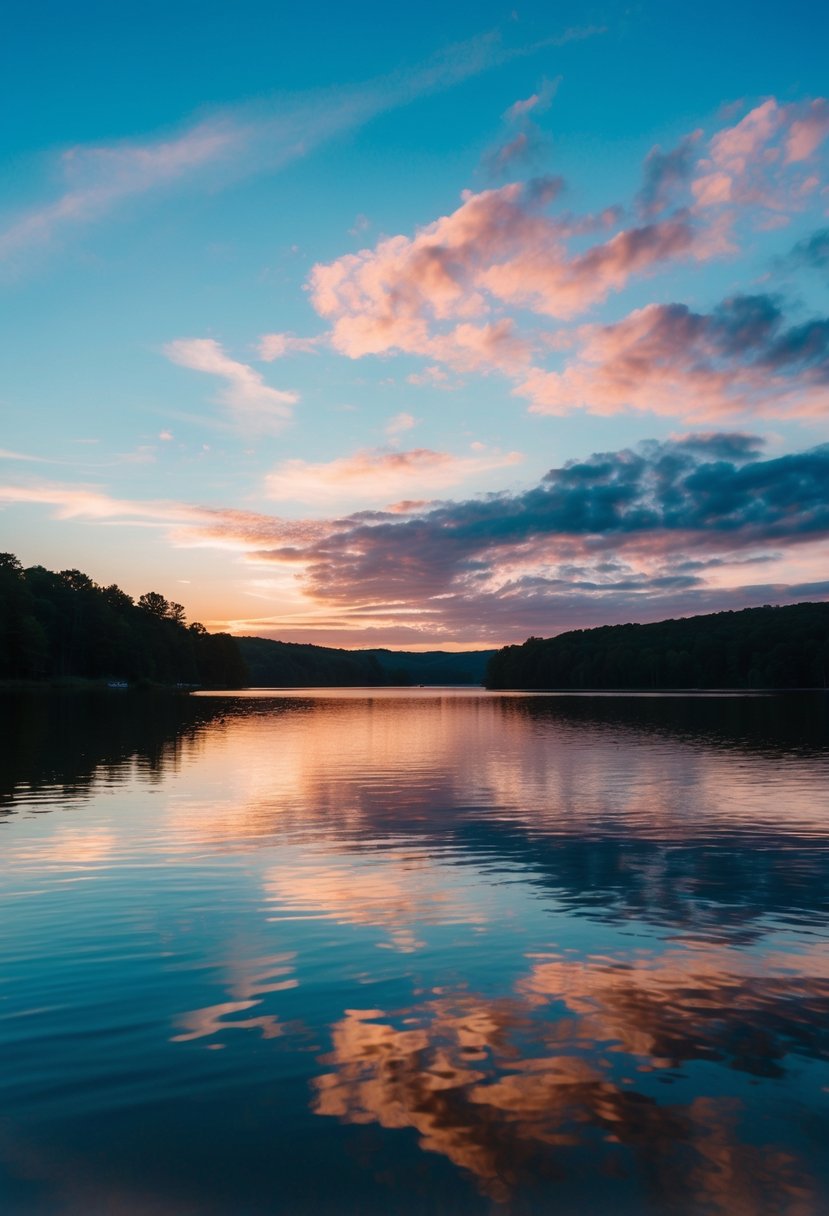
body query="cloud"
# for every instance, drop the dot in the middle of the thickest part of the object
(596, 539)
(433, 294)
(431, 377)
(241, 140)
(808, 130)
(253, 403)
(749, 163)
(277, 346)
(665, 528)
(812, 251)
(662, 529)
(400, 423)
(536, 103)
(524, 150)
(665, 175)
(479, 290)
(89, 502)
(526, 147)
(100, 177)
(6, 454)
(377, 475)
(664, 358)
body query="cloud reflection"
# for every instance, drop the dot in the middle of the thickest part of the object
(250, 981)
(511, 1089)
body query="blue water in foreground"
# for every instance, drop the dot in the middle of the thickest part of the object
(414, 951)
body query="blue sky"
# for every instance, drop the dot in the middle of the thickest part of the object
(267, 270)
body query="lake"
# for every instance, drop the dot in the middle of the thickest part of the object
(414, 951)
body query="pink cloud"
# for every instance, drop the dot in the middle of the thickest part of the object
(502, 249)
(519, 108)
(547, 281)
(537, 102)
(807, 133)
(735, 149)
(100, 177)
(431, 377)
(458, 291)
(400, 423)
(244, 139)
(433, 294)
(88, 502)
(666, 359)
(745, 164)
(277, 346)
(254, 404)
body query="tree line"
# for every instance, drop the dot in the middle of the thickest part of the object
(275, 664)
(63, 625)
(769, 647)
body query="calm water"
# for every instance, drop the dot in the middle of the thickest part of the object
(414, 952)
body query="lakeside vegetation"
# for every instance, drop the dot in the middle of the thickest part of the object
(62, 626)
(759, 648)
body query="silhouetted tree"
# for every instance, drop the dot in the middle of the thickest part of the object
(767, 647)
(58, 625)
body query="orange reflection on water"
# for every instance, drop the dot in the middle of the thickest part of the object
(369, 764)
(394, 892)
(250, 981)
(508, 1089)
(65, 848)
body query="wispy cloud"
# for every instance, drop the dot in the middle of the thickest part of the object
(525, 143)
(97, 178)
(399, 424)
(536, 103)
(6, 454)
(277, 346)
(254, 405)
(379, 476)
(249, 138)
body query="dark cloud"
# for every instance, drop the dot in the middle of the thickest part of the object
(621, 535)
(812, 251)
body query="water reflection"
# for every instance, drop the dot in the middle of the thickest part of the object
(68, 741)
(249, 983)
(510, 1095)
(415, 953)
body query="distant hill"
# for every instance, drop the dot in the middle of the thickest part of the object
(274, 664)
(755, 648)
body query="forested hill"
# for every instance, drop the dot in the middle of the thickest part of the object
(58, 626)
(275, 664)
(64, 626)
(754, 648)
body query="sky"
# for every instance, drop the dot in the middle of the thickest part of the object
(421, 326)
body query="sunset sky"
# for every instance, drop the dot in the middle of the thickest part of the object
(424, 326)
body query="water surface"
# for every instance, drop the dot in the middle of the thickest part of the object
(414, 951)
